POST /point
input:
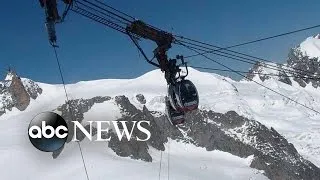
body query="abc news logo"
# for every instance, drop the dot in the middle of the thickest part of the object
(48, 131)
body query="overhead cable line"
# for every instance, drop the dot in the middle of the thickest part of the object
(257, 73)
(102, 13)
(248, 61)
(102, 16)
(223, 65)
(245, 58)
(69, 108)
(104, 4)
(255, 41)
(90, 10)
(106, 10)
(110, 15)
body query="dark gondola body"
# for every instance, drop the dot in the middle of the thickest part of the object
(187, 96)
(182, 98)
(175, 117)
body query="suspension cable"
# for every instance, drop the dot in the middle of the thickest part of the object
(98, 19)
(169, 141)
(104, 9)
(248, 72)
(114, 9)
(254, 41)
(247, 59)
(69, 107)
(161, 154)
(115, 14)
(102, 13)
(223, 65)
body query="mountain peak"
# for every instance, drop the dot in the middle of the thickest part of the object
(17, 92)
(10, 75)
(311, 46)
(317, 36)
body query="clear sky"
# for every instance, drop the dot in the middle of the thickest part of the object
(91, 51)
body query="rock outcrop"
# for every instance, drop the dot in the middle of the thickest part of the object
(17, 92)
(299, 68)
(227, 132)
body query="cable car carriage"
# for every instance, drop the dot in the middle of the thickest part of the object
(182, 94)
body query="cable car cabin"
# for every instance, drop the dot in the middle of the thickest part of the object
(175, 117)
(188, 97)
(183, 96)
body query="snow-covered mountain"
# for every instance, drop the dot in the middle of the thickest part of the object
(311, 46)
(242, 130)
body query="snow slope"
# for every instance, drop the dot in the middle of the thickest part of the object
(298, 124)
(20, 160)
(311, 46)
(186, 161)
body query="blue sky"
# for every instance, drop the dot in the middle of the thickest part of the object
(91, 51)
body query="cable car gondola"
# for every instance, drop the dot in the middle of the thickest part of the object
(182, 95)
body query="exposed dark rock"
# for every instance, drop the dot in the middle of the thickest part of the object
(303, 69)
(132, 148)
(283, 77)
(17, 92)
(128, 148)
(307, 68)
(256, 70)
(141, 98)
(227, 132)
(242, 137)
(300, 67)
(19, 95)
(74, 110)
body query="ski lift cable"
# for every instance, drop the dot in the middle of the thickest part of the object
(94, 16)
(115, 9)
(108, 11)
(248, 72)
(250, 42)
(102, 13)
(247, 57)
(116, 15)
(245, 60)
(66, 11)
(98, 19)
(169, 141)
(134, 40)
(164, 126)
(121, 12)
(210, 50)
(69, 107)
(270, 66)
(223, 65)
